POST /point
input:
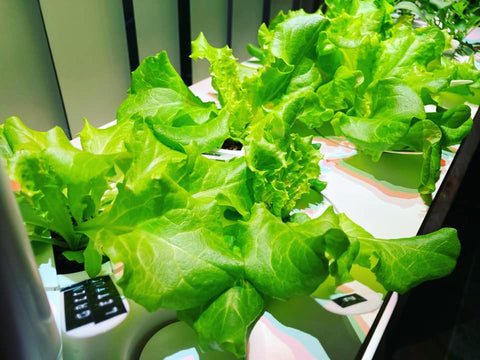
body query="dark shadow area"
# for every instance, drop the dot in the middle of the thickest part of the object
(441, 319)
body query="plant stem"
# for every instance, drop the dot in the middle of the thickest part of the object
(48, 240)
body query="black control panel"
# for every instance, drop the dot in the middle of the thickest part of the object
(91, 301)
(348, 300)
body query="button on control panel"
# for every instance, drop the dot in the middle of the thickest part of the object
(91, 301)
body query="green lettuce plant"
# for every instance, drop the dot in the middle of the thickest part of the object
(214, 240)
(201, 237)
(195, 237)
(458, 17)
(356, 73)
(61, 187)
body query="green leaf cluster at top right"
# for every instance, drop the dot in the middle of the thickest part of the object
(458, 17)
(375, 76)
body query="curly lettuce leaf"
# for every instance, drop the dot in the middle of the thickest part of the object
(376, 9)
(205, 179)
(340, 93)
(388, 108)
(356, 50)
(305, 110)
(105, 141)
(171, 246)
(150, 157)
(166, 105)
(455, 124)
(288, 49)
(160, 95)
(295, 37)
(281, 164)
(269, 83)
(430, 136)
(280, 262)
(212, 180)
(208, 136)
(156, 72)
(407, 48)
(224, 69)
(42, 201)
(425, 136)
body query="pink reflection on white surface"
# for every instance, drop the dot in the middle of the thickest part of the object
(268, 342)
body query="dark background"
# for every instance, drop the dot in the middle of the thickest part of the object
(440, 319)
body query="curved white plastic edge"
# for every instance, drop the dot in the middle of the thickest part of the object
(380, 329)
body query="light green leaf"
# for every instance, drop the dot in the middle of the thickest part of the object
(426, 136)
(105, 141)
(93, 260)
(340, 93)
(61, 186)
(342, 252)
(280, 262)
(208, 136)
(224, 69)
(165, 105)
(412, 7)
(157, 72)
(74, 256)
(211, 180)
(281, 164)
(296, 36)
(407, 48)
(390, 107)
(171, 246)
(404, 263)
(225, 324)
(150, 157)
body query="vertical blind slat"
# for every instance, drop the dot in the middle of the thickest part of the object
(266, 12)
(184, 33)
(229, 22)
(129, 17)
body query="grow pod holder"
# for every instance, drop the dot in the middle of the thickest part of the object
(97, 321)
(38, 306)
